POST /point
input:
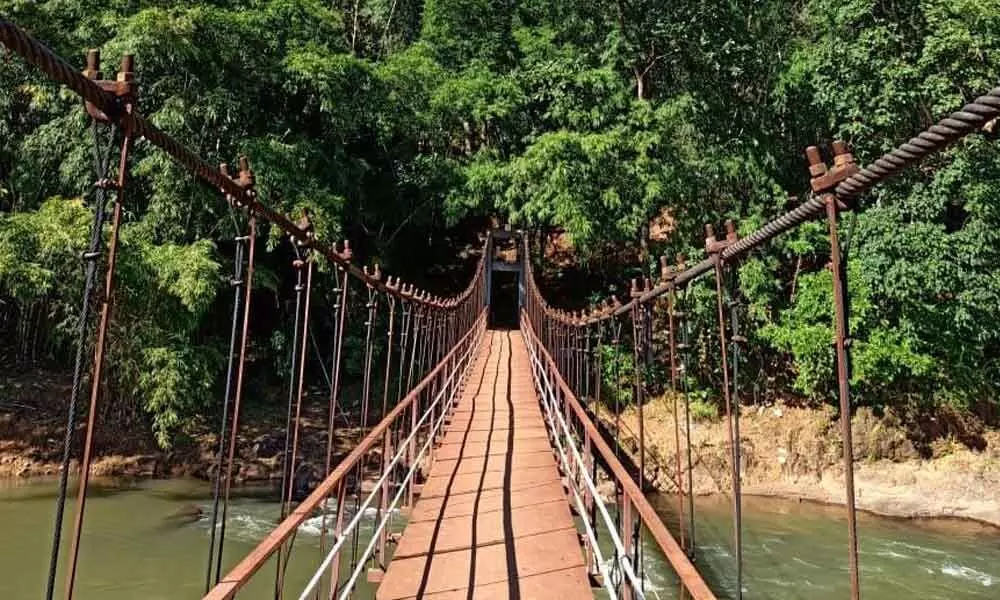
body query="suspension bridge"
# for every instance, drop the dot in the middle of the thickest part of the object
(484, 460)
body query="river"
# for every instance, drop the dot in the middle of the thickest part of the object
(132, 549)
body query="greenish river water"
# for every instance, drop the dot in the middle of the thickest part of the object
(131, 549)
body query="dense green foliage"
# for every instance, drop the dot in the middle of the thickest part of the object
(626, 125)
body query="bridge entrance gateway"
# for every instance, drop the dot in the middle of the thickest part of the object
(504, 278)
(488, 459)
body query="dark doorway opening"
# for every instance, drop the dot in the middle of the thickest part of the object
(503, 300)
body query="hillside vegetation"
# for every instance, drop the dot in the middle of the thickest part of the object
(624, 125)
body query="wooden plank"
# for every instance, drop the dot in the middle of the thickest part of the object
(493, 515)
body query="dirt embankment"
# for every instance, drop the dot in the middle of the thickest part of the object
(32, 430)
(795, 452)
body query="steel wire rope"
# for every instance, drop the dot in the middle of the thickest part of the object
(685, 383)
(340, 292)
(734, 339)
(102, 164)
(99, 356)
(237, 284)
(238, 395)
(287, 471)
(372, 307)
(391, 300)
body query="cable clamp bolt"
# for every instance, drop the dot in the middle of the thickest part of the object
(825, 179)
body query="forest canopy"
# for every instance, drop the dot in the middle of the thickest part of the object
(623, 126)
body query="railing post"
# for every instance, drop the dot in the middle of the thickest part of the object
(411, 452)
(714, 249)
(338, 533)
(625, 525)
(588, 499)
(667, 275)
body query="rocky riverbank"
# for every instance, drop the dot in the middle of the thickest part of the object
(795, 453)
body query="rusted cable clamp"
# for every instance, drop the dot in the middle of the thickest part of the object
(825, 179)
(245, 180)
(346, 254)
(713, 246)
(123, 87)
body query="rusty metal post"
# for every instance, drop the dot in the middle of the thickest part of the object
(125, 76)
(387, 437)
(824, 181)
(638, 352)
(296, 386)
(246, 182)
(616, 330)
(411, 449)
(598, 370)
(338, 533)
(667, 275)
(585, 361)
(714, 248)
(340, 310)
(588, 498)
(684, 346)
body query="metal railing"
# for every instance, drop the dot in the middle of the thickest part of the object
(442, 404)
(421, 412)
(586, 496)
(571, 428)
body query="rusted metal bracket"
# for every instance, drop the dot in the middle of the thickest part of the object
(714, 246)
(346, 254)
(123, 87)
(373, 274)
(823, 179)
(245, 179)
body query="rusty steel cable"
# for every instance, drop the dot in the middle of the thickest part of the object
(303, 355)
(236, 283)
(102, 162)
(288, 469)
(972, 117)
(404, 341)
(238, 394)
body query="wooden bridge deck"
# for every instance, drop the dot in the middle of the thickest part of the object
(493, 519)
